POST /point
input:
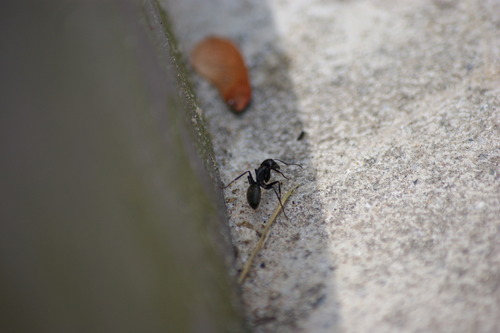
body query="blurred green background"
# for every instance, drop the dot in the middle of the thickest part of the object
(109, 221)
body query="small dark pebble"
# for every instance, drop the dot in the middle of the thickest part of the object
(320, 300)
(264, 320)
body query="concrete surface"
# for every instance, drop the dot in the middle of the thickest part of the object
(396, 224)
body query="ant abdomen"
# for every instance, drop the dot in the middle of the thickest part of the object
(253, 195)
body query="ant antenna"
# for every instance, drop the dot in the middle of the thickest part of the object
(287, 163)
(281, 173)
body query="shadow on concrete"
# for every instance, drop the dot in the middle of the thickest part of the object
(281, 290)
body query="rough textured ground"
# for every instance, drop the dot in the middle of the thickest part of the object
(396, 223)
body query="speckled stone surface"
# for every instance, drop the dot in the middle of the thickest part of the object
(396, 224)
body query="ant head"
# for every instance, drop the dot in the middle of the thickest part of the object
(271, 164)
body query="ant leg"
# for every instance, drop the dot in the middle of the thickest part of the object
(271, 185)
(286, 163)
(279, 188)
(237, 179)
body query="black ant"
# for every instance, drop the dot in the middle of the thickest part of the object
(263, 174)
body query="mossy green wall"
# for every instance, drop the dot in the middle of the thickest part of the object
(109, 221)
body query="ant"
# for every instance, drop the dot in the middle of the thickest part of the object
(263, 174)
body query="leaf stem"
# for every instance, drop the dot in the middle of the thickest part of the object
(263, 237)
